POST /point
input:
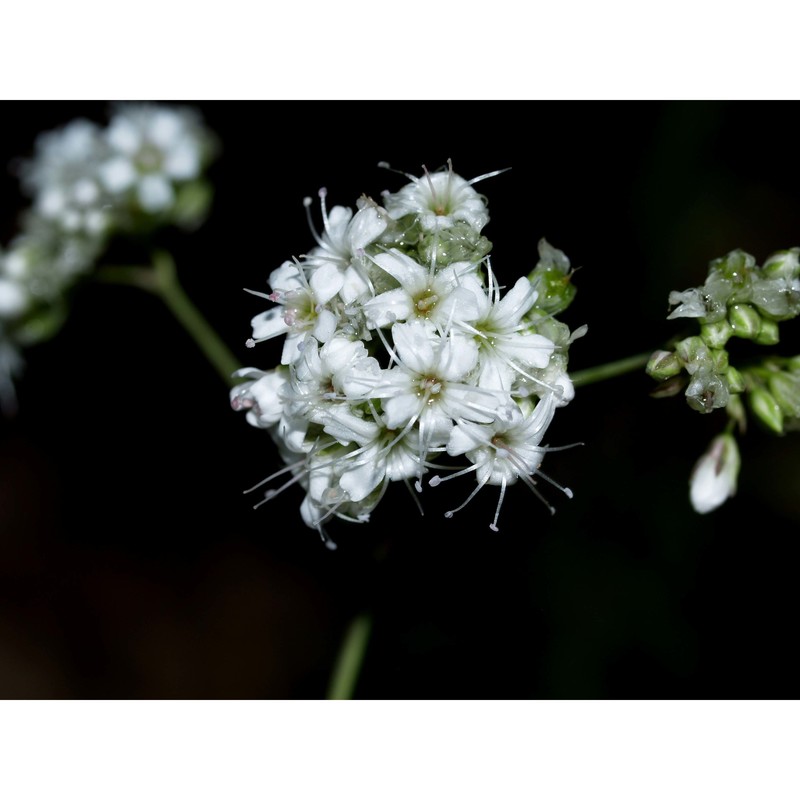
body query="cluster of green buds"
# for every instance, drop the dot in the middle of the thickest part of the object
(739, 300)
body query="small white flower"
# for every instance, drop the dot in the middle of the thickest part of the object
(151, 150)
(440, 199)
(715, 474)
(423, 293)
(508, 347)
(504, 450)
(63, 178)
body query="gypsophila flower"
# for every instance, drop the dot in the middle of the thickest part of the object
(63, 179)
(403, 353)
(87, 184)
(155, 156)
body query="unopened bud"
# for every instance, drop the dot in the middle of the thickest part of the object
(735, 410)
(735, 379)
(785, 388)
(715, 474)
(768, 334)
(716, 334)
(663, 364)
(766, 409)
(783, 264)
(745, 320)
(694, 353)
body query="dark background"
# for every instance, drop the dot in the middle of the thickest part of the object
(132, 565)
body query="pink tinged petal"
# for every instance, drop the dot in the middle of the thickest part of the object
(155, 193)
(325, 282)
(412, 276)
(268, 323)
(388, 307)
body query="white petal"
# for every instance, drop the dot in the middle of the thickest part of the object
(325, 282)
(118, 175)
(155, 193)
(124, 135)
(183, 162)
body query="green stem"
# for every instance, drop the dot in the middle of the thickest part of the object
(350, 658)
(610, 370)
(162, 280)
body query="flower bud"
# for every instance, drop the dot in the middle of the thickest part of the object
(785, 388)
(715, 474)
(663, 364)
(736, 383)
(716, 334)
(694, 353)
(707, 391)
(783, 264)
(766, 409)
(768, 334)
(552, 278)
(745, 320)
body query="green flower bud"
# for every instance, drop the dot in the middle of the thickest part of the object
(693, 351)
(785, 388)
(768, 334)
(670, 387)
(716, 334)
(736, 382)
(556, 290)
(745, 320)
(734, 267)
(663, 364)
(552, 278)
(783, 264)
(707, 391)
(458, 242)
(766, 409)
(719, 358)
(793, 364)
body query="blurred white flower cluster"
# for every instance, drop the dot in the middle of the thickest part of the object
(86, 184)
(404, 353)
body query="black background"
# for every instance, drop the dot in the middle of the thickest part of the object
(133, 566)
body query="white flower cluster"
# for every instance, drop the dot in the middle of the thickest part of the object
(87, 183)
(403, 351)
